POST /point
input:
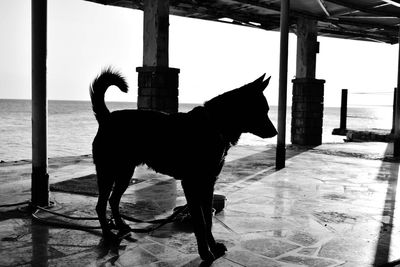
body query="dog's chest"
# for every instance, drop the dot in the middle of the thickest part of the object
(185, 147)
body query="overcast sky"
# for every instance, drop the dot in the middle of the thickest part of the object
(213, 57)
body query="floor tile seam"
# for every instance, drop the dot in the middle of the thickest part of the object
(325, 225)
(164, 245)
(321, 243)
(245, 179)
(226, 226)
(293, 253)
(158, 257)
(226, 258)
(240, 248)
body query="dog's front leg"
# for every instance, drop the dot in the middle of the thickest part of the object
(218, 249)
(193, 198)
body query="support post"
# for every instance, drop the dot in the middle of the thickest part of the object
(155, 33)
(307, 48)
(394, 110)
(343, 111)
(282, 99)
(396, 145)
(308, 92)
(40, 178)
(158, 84)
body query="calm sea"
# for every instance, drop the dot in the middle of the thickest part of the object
(72, 126)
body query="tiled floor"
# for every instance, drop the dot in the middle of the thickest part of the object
(333, 205)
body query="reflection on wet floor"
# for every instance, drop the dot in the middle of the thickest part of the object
(324, 209)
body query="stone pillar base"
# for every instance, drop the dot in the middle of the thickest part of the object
(307, 111)
(158, 88)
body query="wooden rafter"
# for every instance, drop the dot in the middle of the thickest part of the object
(372, 9)
(323, 7)
(393, 3)
(349, 15)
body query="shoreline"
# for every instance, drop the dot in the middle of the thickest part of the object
(25, 161)
(55, 160)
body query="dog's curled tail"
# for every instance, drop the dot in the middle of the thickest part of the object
(98, 88)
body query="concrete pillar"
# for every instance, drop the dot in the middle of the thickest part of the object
(283, 68)
(158, 84)
(40, 178)
(307, 111)
(308, 92)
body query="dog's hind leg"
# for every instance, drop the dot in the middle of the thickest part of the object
(121, 184)
(105, 184)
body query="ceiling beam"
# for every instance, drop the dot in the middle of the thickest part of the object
(393, 3)
(238, 18)
(355, 34)
(366, 17)
(207, 10)
(323, 7)
(371, 9)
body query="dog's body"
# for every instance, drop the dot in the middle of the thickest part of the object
(190, 147)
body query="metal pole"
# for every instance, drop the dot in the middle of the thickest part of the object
(396, 145)
(40, 178)
(343, 110)
(283, 67)
(394, 110)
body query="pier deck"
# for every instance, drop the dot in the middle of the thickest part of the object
(333, 205)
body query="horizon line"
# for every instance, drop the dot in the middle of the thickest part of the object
(183, 103)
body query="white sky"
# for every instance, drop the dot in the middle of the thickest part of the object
(213, 57)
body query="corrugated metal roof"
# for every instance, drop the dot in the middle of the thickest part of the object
(371, 20)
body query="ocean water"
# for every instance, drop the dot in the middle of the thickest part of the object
(72, 126)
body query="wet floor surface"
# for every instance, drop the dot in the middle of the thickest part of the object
(333, 205)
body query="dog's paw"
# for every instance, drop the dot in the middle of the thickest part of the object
(218, 250)
(124, 231)
(207, 256)
(110, 239)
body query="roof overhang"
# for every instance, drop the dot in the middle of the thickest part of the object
(369, 20)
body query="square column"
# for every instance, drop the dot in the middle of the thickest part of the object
(158, 84)
(307, 48)
(158, 88)
(307, 111)
(308, 92)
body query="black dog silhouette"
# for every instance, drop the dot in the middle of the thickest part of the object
(190, 147)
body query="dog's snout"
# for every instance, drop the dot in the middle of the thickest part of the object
(272, 132)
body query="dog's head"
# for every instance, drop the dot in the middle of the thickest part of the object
(255, 109)
(244, 109)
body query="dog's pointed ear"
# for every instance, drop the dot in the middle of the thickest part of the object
(265, 84)
(259, 80)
